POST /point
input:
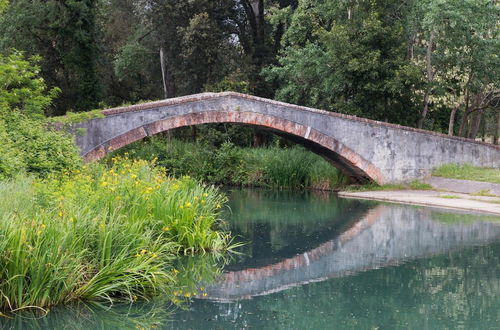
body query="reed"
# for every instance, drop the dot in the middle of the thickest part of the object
(101, 233)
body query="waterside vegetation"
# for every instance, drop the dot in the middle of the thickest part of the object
(101, 233)
(271, 166)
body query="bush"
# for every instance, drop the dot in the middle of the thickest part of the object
(31, 148)
(27, 145)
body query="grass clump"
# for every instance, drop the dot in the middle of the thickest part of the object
(272, 166)
(468, 172)
(449, 196)
(101, 233)
(484, 192)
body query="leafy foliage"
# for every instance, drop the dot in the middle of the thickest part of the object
(27, 145)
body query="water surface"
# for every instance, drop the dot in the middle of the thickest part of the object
(314, 261)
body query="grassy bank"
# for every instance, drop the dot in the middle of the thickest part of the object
(273, 167)
(101, 233)
(468, 172)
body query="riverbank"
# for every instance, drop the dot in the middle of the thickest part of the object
(440, 197)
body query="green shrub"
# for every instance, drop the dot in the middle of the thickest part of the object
(33, 148)
(26, 144)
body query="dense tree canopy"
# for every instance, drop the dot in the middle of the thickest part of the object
(431, 63)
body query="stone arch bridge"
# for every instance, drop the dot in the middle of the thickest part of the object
(364, 150)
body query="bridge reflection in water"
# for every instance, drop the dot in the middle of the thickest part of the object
(383, 235)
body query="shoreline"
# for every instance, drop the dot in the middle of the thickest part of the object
(443, 199)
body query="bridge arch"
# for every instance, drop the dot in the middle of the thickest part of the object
(365, 150)
(349, 162)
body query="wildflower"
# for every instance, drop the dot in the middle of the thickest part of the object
(188, 204)
(166, 228)
(144, 251)
(218, 206)
(204, 294)
(104, 183)
(133, 176)
(60, 214)
(205, 195)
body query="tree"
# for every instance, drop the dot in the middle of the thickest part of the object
(347, 57)
(63, 33)
(456, 44)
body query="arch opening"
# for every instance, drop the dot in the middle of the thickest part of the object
(357, 169)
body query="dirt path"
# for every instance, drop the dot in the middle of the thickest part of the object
(446, 199)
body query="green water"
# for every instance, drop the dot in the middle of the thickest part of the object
(313, 261)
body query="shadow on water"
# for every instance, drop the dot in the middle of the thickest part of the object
(316, 261)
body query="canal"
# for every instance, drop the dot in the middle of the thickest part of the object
(315, 261)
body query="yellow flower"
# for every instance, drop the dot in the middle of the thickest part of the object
(133, 176)
(188, 204)
(104, 183)
(218, 206)
(143, 251)
(205, 195)
(165, 228)
(204, 294)
(61, 214)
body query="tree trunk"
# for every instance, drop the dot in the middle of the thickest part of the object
(451, 123)
(430, 78)
(463, 125)
(496, 128)
(476, 124)
(162, 65)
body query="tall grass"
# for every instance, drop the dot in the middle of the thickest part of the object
(276, 167)
(101, 233)
(291, 168)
